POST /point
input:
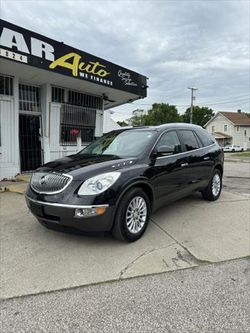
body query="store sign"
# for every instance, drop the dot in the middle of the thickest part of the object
(24, 46)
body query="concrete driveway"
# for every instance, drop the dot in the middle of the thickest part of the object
(188, 233)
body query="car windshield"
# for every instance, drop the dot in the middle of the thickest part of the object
(130, 143)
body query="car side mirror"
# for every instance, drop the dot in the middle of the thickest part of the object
(165, 150)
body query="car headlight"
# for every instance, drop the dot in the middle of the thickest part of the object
(98, 184)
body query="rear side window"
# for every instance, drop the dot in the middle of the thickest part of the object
(206, 138)
(189, 140)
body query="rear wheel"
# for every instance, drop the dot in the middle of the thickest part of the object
(132, 216)
(213, 190)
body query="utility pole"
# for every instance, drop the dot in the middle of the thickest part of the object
(192, 100)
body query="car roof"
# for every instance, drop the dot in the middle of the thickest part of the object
(160, 128)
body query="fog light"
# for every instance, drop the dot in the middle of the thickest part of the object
(91, 211)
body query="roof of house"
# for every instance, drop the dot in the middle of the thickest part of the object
(238, 118)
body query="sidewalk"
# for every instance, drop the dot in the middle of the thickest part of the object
(17, 185)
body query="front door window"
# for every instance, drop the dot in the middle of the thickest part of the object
(171, 140)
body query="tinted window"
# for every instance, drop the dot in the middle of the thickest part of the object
(171, 140)
(206, 138)
(189, 140)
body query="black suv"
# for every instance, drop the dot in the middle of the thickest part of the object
(116, 182)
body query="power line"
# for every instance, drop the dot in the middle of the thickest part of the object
(229, 97)
(227, 102)
(232, 101)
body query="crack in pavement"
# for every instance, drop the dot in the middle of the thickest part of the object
(196, 260)
(243, 177)
(124, 270)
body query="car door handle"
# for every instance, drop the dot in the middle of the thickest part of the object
(206, 158)
(184, 165)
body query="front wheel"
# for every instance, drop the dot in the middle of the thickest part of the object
(132, 216)
(213, 190)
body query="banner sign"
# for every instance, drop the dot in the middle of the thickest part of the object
(24, 46)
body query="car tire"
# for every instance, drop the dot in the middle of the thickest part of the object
(242, 149)
(213, 190)
(233, 151)
(132, 217)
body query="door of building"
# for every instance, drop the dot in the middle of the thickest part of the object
(30, 127)
(30, 142)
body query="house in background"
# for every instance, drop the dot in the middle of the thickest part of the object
(230, 128)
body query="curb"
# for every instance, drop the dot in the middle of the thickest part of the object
(20, 188)
(24, 177)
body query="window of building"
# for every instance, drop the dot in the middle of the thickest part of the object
(238, 128)
(77, 121)
(213, 129)
(225, 128)
(245, 132)
(29, 98)
(72, 97)
(58, 95)
(6, 85)
(189, 140)
(171, 140)
(81, 99)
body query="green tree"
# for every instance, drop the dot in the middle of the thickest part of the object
(160, 113)
(201, 115)
(137, 117)
(122, 123)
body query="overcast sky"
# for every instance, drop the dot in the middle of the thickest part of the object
(176, 44)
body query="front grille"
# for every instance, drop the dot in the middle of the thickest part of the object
(49, 183)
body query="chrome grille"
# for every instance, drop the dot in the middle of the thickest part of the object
(49, 183)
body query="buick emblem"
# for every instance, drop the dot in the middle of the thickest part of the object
(42, 180)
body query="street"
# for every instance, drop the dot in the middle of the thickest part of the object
(210, 298)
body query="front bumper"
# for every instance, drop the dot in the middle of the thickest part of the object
(62, 216)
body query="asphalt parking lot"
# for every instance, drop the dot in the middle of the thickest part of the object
(189, 233)
(236, 176)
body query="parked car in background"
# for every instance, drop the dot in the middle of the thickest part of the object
(233, 148)
(116, 182)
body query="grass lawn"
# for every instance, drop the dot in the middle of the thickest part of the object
(244, 154)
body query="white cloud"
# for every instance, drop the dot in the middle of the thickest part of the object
(175, 43)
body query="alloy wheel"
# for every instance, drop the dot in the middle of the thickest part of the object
(216, 185)
(136, 214)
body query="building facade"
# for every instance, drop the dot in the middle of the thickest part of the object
(53, 98)
(230, 128)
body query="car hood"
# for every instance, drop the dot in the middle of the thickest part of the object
(80, 166)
